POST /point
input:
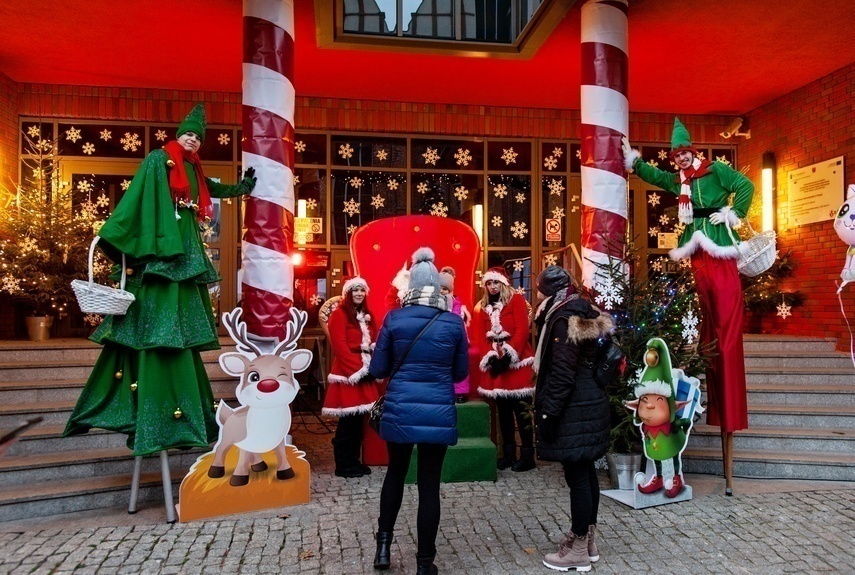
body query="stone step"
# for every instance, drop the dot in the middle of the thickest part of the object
(800, 358)
(72, 349)
(800, 394)
(48, 439)
(39, 391)
(66, 465)
(810, 417)
(801, 375)
(772, 464)
(778, 439)
(70, 369)
(54, 497)
(781, 343)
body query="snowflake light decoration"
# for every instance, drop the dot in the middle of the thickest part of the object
(656, 265)
(463, 157)
(579, 154)
(38, 173)
(378, 201)
(497, 221)
(555, 187)
(653, 163)
(44, 145)
(125, 185)
(653, 232)
(520, 290)
(519, 229)
(311, 203)
(520, 198)
(160, 135)
(88, 148)
(11, 284)
(315, 299)
(664, 219)
(608, 292)
(350, 229)
(557, 213)
(431, 156)
(29, 245)
(685, 263)
(690, 326)
(500, 191)
(422, 188)
(518, 266)
(34, 131)
(382, 155)
(93, 319)
(300, 146)
(392, 184)
(355, 182)
(509, 156)
(107, 135)
(461, 193)
(103, 201)
(550, 260)
(653, 199)
(783, 309)
(663, 155)
(679, 227)
(550, 163)
(84, 186)
(723, 160)
(557, 152)
(439, 209)
(130, 142)
(351, 207)
(73, 134)
(224, 139)
(345, 151)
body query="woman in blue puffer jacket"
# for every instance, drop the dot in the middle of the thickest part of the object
(419, 408)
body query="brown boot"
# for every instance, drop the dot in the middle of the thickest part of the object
(572, 555)
(593, 552)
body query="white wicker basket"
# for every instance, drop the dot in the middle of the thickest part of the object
(104, 300)
(756, 254)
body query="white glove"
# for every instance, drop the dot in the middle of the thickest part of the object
(629, 155)
(725, 215)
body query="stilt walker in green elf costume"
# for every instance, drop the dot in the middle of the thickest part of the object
(665, 435)
(149, 381)
(704, 188)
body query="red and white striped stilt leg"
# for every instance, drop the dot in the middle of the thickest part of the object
(268, 146)
(605, 119)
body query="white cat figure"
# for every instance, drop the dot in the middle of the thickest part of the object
(844, 225)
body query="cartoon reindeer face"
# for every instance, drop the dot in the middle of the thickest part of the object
(267, 380)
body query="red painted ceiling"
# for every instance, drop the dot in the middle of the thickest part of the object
(724, 56)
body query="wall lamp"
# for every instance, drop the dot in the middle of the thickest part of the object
(768, 191)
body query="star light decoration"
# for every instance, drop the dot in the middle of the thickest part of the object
(345, 151)
(497, 221)
(509, 156)
(784, 309)
(701, 156)
(519, 229)
(550, 260)
(378, 201)
(296, 180)
(382, 155)
(422, 187)
(34, 131)
(653, 199)
(300, 146)
(690, 326)
(431, 156)
(463, 157)
(608, 292)
(131, 141)
(392, 184)
(461, 193)
(439, 209)
(350, 229)
(351, 207)
(500, 191)
(555, 187)
(125, 185)
(723, 160)
(88, 148)
(557, 152)
(557, 213)
(355, 182)
(73, 134)
(550, 163)
(159, 135)
(520, 198)
(224, 139)
(518, 266)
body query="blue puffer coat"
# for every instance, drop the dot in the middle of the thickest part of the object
(419, 404)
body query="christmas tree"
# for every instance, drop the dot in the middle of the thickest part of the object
(646, 304)
(45, 232)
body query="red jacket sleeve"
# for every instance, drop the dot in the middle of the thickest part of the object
(480, 325)
(337, 327)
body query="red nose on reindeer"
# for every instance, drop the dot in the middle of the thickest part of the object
(268, 385)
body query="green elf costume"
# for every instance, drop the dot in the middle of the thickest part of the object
(667, 437)
(149, 381)
(703, 190)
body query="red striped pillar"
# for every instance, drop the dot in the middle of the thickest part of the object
(268, 146)
(605, 119)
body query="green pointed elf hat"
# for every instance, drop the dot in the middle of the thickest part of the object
(656, 378)
(194, 122)
(680, 139)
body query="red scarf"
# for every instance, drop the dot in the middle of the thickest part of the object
(692, 174)
(179, 185)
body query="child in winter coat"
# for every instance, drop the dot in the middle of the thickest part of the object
(446, 283)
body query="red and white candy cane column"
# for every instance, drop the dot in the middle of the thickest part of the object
(268, 146)
(605, 119)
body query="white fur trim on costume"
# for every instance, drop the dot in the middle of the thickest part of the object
(345, 411)
(498, 336)
(352, 283)
(483, 364)
(508, 350)
(496, 276)
(523, 363)
(629, 159)
(513, 393)
(655, 387)
(700, 240)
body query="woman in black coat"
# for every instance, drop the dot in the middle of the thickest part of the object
(571, 409)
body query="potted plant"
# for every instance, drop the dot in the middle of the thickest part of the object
(44, 240)
(645, 302)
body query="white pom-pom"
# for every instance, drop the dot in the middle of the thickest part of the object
(423, 255)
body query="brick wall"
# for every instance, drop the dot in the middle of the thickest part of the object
(8, 130)
(811, 124)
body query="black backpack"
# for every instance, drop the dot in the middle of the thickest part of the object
(610, 365)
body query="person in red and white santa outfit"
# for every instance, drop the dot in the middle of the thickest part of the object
(500, 333)
(351, 390)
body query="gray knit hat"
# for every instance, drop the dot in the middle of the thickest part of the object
(446, 278)
(552, 279)
(423, 273)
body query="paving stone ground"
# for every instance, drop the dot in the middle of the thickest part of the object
(505, 527)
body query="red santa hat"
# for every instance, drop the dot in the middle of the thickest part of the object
(352, 283)
(496, 274)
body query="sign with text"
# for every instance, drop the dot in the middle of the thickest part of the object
(305, 229)
(553, 230)
(814, 192)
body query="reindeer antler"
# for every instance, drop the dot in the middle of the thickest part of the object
(237, 329)
(293, 331)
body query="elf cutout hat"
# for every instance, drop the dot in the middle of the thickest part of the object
(194, 122)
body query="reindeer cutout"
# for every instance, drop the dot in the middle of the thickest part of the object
(266, 389)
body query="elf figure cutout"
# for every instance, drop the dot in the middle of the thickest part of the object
(666, 402)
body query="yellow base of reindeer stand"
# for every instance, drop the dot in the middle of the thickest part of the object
(202, 497)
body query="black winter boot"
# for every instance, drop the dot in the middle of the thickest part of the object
(345, 465)
(383, 559)
(526, 460)
(510, 456)
(425, 566)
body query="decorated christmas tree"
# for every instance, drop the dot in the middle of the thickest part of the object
(646, 304)
(45, 232)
